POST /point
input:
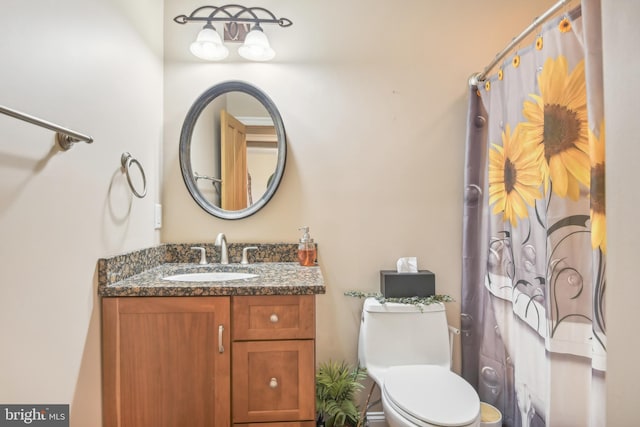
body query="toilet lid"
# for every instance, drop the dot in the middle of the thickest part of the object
(432, 394)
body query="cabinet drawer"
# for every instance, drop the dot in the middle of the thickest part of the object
(285, 424)
(273, 381)
(273, 317)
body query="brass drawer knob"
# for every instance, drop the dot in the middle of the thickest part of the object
(274, 318)
(273, 383)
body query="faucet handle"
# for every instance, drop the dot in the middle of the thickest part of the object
(203, 254)
(244, 254)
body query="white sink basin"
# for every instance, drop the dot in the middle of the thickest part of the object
(216, 276)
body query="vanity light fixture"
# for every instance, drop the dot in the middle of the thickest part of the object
(209, 45)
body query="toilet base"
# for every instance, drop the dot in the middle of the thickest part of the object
(376, 419)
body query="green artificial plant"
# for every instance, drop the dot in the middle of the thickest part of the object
(417, 301)
(336, 387)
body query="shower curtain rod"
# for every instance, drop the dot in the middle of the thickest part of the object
(479, 77)
(65, 137)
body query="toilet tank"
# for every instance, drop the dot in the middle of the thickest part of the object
(394, 334)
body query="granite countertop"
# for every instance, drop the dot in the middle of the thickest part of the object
(282, 278)
(141, 273)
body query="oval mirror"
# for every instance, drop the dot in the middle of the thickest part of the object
(232, 150)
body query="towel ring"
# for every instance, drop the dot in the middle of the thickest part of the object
(127, 160)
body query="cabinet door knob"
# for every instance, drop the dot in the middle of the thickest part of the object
(273, 383)
(274, 318)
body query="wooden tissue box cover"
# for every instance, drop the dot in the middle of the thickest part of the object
(399, 285)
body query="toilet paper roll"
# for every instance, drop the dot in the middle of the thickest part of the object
(407, 265)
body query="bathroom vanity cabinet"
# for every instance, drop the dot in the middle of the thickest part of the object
(209, 361)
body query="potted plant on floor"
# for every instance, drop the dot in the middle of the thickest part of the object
(336, 387)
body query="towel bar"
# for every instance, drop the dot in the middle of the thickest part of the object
(64, 137)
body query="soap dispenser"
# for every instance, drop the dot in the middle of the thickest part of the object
(306, 249)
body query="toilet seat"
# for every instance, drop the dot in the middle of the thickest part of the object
(431, 395)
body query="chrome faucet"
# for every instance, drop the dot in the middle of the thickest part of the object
(221, 241)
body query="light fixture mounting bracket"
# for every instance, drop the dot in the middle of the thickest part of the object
(232, 13)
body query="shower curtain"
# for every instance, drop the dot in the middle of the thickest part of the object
(534, 234)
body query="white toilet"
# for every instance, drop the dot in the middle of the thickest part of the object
(407, 353)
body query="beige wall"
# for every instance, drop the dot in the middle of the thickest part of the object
(94, 66)
(373, 98)
(375, 131)
(621, 34)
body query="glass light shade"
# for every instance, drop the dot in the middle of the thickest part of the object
(256, 46)
(208, 45)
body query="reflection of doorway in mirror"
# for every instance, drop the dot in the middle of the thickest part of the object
(249, 156)
(233, 155)
(262, 154)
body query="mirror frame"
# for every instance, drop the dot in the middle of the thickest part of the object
(185, 147)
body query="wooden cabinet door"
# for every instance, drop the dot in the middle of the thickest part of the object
(273, 381)
(166, 361)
